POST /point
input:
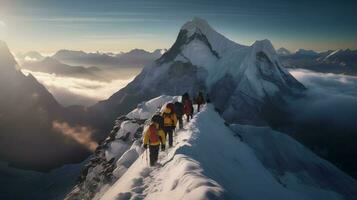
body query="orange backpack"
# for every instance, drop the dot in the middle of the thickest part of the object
(153, 136)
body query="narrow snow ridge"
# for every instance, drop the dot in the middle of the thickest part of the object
(208, 161)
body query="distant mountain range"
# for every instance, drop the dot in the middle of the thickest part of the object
(134, 58)
(338, 61)
(93, 66)
(30, 56)
(282, 51)
(51, 65)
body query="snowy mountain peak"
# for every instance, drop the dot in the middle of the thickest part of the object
(283, 51)
(264, 45)
(197, 25)
(199, 29)
(240, 79)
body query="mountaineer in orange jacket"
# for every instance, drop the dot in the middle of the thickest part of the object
(153, 137)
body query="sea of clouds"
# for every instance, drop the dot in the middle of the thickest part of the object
(76, 91)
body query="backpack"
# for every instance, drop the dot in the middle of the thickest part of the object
(178, 108)
(188, 108)
(157, 118)
(153, 136)
(168, 118)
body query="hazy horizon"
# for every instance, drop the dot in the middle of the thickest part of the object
(113, 26)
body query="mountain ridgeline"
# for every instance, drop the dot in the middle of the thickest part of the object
(246, 83)
(134, 58)
(337, 62)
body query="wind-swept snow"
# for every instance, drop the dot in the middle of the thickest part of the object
(209, 161)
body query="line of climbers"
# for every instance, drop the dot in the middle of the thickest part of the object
(163, 124)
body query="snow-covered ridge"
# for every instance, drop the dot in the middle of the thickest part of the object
(242, 80)
(209, 160)
(253, 73)
(116, 154)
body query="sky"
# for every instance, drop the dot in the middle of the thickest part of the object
(121, 25)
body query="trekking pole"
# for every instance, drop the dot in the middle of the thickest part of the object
(173, 136)
(147, 159)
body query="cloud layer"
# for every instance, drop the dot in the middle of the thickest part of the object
(331, 98)
(325, 119)
(76, 91)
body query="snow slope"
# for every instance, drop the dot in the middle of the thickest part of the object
(211, 160)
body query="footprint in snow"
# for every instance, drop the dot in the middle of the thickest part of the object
(146, 172)
(124, 196)
(139, 189)
(137, 197)
(137, 182)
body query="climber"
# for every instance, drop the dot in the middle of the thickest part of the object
(170, 121)
(179, 113)
(153, 136)
(199, 100)
(208, 100)
(187, 106)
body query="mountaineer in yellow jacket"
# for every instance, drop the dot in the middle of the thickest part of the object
(170, 121)
(153, 137)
